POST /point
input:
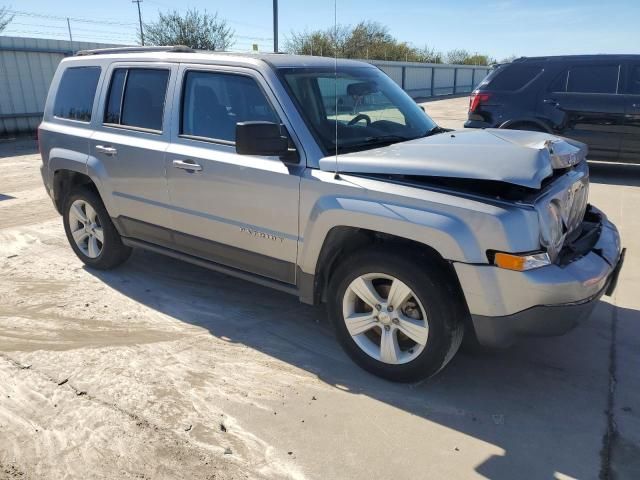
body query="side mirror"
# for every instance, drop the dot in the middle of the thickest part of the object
(260, 138)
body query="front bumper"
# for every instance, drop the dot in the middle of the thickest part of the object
(546, 301)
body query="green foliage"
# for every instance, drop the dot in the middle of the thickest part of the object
(463, 57)
(202, 31)
(372, 40)
(5, 18)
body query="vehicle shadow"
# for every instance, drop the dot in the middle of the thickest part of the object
(541, 403)
(615, 173)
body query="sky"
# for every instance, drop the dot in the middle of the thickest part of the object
(499, 28)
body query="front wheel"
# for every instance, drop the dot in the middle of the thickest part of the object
(395, 317)
(91, 232)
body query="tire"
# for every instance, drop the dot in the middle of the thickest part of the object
(86, 218)
(432, 294)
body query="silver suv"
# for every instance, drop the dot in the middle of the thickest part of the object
(327, 181)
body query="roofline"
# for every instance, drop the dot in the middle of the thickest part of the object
(594, 56)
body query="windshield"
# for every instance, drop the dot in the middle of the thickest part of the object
(371, 109)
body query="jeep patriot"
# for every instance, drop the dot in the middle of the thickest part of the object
(323, 179)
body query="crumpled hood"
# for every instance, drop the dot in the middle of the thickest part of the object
(512, 156)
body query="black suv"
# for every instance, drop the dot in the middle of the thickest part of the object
(592, 98)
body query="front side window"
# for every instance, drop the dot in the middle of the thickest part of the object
(137, 98)
(77, 90)
(355, 108)
(213, 103)
(593, 79)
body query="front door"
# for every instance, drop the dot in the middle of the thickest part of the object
(236, 210)
(587, 107)
(130, 144)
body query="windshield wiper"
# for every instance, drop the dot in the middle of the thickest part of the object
(436, 130)
(374, 141)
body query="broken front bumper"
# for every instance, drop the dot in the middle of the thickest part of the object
(546, 301)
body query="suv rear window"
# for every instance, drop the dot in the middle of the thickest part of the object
(76, 93)
(510, 78)
(593, 79)
(137, 97)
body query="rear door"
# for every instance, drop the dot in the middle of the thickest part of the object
(631, 140)
(586, 105)
(237, 210)
(130, 144)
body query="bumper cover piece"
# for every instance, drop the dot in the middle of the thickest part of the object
(558, 297)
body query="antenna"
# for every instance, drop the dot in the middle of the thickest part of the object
(335, 77)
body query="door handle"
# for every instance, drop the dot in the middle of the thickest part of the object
(636, 105)
(189, 165)
(110, 151)
(551, 101)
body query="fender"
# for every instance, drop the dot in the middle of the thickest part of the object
(449, 236)
(65, 159)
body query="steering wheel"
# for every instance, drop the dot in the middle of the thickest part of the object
(360, 116)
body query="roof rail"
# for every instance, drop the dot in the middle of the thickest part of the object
(106, 51)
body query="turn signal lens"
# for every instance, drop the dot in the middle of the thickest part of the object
(521, 263)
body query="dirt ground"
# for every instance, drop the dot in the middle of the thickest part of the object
(163, 370)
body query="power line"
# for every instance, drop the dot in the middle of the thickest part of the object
(63, 27)
(105, 21)
(62, 34)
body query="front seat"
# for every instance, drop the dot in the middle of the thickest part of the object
(210, 118)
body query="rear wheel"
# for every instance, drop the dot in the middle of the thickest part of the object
(395, 317)
(90, 231)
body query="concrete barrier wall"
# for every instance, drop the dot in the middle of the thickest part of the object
(422, 80)
(27, 66)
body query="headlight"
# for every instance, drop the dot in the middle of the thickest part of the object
(552, 230)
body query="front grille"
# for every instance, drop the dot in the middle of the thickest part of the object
(585, 238)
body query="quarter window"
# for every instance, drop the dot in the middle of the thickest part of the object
(634, 80)
(212, 104)
(512, 77)
(593, 79)
(137, 98)
(76, 93)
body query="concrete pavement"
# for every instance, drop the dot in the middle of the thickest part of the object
(164, 370)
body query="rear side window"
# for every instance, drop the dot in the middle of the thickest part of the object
(593, 79)
(512, 77)
(212, 104)
(137, 98)
(76, 93)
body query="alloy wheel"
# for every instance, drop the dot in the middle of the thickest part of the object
(385, 318)
(86, 229)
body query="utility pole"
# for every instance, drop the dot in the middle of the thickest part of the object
(69, 27)
(275, 26)
(140, 20)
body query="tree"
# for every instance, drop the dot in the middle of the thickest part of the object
(5, 18)
(372, 41)
(201, 31)
(508, 59)
(463, 57)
